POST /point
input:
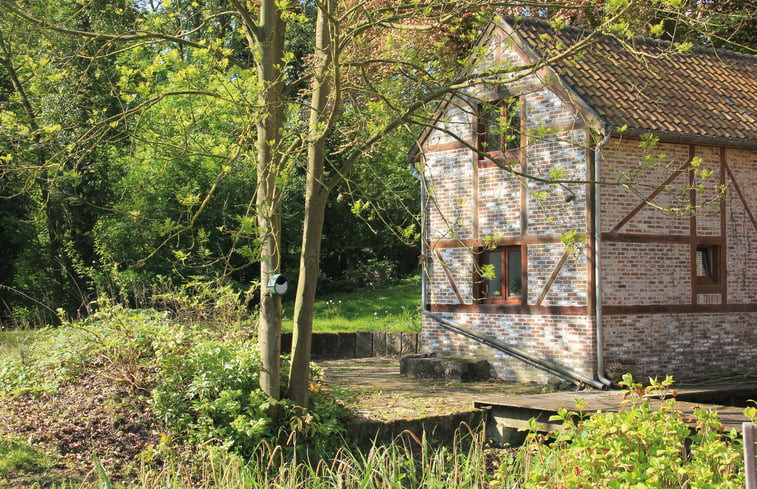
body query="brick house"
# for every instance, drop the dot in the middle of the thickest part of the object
(620, 251)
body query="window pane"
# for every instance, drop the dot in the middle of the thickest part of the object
(702, 263)
(512, 134)
(514, 286)
(706, 262)
(492, 119)
(495, 284)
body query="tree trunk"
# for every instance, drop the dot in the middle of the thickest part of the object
(270, 43)
(316, 196)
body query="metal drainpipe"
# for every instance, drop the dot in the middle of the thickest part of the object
(417, 175)
(554, 369)
(597, 260)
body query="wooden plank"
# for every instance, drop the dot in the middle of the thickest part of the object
(750, 467)
(607, 401)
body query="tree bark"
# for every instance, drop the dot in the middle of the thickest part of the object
(269, 46)
(316, 196)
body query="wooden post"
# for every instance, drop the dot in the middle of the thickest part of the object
(749, 430)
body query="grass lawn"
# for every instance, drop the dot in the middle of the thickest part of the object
(393, 307)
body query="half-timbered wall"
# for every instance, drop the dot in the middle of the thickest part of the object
(658, 215)
(472, 202)
(658, 319)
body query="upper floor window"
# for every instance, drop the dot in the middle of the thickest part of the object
(707, 264)
(499, 126)
(501, 275)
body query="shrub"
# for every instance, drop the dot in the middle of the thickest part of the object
(210, 394)
(636, 447)
(202, 374)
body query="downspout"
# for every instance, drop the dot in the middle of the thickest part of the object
(597, 260)
(417, 175)
(517, 353)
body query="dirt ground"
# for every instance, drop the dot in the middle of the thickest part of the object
(376, 390)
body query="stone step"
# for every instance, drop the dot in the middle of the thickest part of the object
(455, 369)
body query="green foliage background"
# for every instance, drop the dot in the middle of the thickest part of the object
(134, 170)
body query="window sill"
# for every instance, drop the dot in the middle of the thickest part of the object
(509, 158)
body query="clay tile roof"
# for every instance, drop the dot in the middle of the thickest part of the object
(703, 92)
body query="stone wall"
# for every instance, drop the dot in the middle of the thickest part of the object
(362, 344)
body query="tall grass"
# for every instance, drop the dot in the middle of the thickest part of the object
(409, 462)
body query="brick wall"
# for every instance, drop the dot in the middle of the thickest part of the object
(645, 273)
(682, 344)
(567, 340)
(470, 203)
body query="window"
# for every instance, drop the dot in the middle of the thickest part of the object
(501, 275)
(499, 126)
(707, 264)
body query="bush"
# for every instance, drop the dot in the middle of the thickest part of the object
(201, 372)
(635, 447)
(210, 394)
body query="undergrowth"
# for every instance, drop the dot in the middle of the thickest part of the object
(200, 377)
(648, 443)
(200, 374)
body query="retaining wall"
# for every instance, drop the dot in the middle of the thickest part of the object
(361, 344)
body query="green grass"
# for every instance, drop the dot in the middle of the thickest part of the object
(19, 456)
(394, 307)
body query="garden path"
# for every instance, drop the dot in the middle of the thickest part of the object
(376, 390)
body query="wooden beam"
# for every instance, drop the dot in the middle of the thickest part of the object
(741, 196)
(693, 229)
(552, 278)
(610, 310)
(591, 211)
(650, 197)
(505, 241)
(723, 232)
(450, 278)
(646, 238)
(512, 309)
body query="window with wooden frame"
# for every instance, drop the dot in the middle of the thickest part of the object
(500, 275)
(708, 264)
(499, 127)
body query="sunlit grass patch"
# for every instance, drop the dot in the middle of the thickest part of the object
(393, 307)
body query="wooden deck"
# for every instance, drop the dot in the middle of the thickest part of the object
(509, 413)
